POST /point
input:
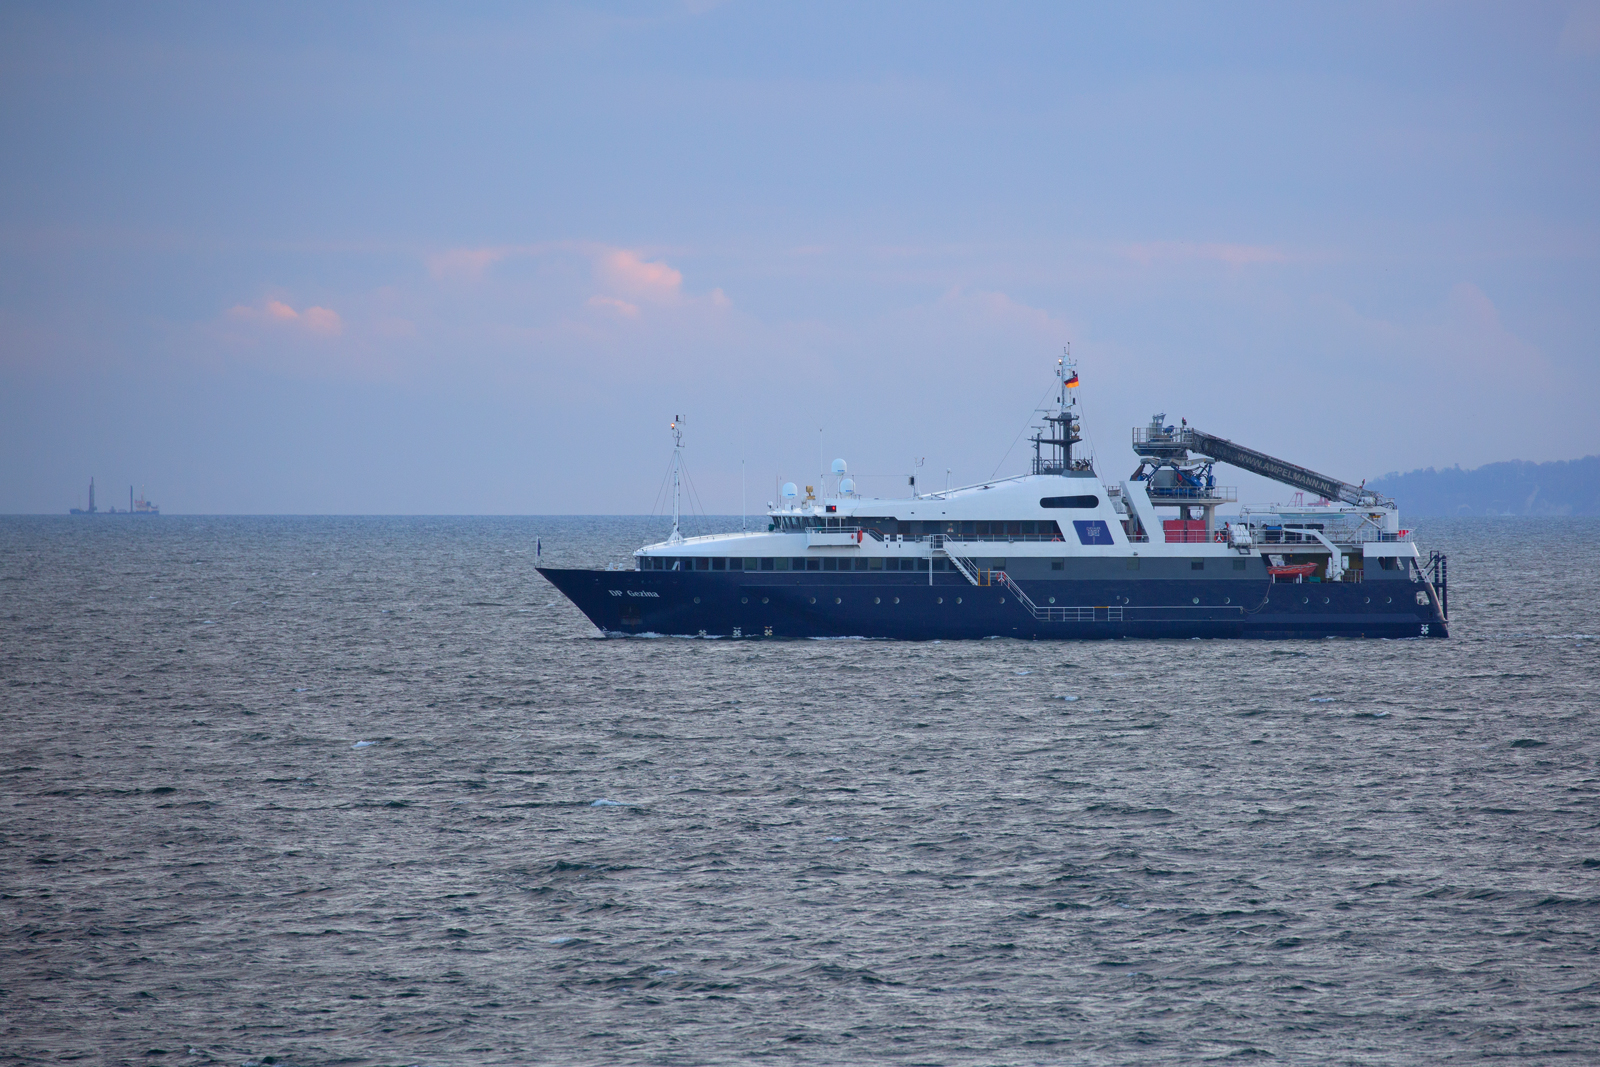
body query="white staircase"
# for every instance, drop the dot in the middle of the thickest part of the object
(1046, 613)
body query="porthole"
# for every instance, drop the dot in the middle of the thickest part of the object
(813, 600)
(1324, 600)
(697, 600)
(877, 600)
(1002, 600)
(838, 600)
(744, 600)
(1366, 600)
(1227, 600)
(1195, 599)
(1305, 600)
(897, 600)
(938, 600)
(958, 600)
(1388, 600)
(1052, 600)
(763, 600)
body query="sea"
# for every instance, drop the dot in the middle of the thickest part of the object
(369, 791)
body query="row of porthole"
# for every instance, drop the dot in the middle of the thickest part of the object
(1364, 600)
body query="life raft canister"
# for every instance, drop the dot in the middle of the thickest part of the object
(858, 537)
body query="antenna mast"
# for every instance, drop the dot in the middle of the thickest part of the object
(677, 467)
(1062, 431)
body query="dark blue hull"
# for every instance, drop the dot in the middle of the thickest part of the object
(906, 607)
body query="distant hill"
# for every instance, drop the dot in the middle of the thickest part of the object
(1565, 487)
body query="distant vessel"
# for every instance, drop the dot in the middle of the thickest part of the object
(1056, 553)
(135, 507)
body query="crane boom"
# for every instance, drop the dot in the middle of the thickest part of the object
(1172, 444)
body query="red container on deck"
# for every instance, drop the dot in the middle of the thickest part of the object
(1184, 531)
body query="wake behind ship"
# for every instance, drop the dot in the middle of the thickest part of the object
(1056, 553)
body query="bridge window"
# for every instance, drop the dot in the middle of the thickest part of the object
(1197, 564)
(718, 563)
(702, 563)
(781, 562)
(1090, 501)
(767, 562)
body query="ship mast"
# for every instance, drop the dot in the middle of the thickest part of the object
(1063, 425)
(677, 467)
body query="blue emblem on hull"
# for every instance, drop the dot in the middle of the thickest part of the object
(1092, 531)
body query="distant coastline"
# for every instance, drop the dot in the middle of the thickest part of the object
(1562, 487)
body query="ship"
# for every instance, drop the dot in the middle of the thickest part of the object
(1055, 553)
(135, 507)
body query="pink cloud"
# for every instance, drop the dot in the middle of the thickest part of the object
(629, 272)
(318, 320)
(621, 307)
(322, 320)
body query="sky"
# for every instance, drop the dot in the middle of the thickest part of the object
(453, 259)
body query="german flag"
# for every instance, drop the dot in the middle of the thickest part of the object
(1072, 382)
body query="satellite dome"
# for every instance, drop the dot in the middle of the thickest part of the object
(789, 489)
(839, 466)
(847, 486)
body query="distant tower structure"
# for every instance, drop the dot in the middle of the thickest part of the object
(80, 511)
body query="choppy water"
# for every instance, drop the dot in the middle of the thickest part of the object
(368, 791)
